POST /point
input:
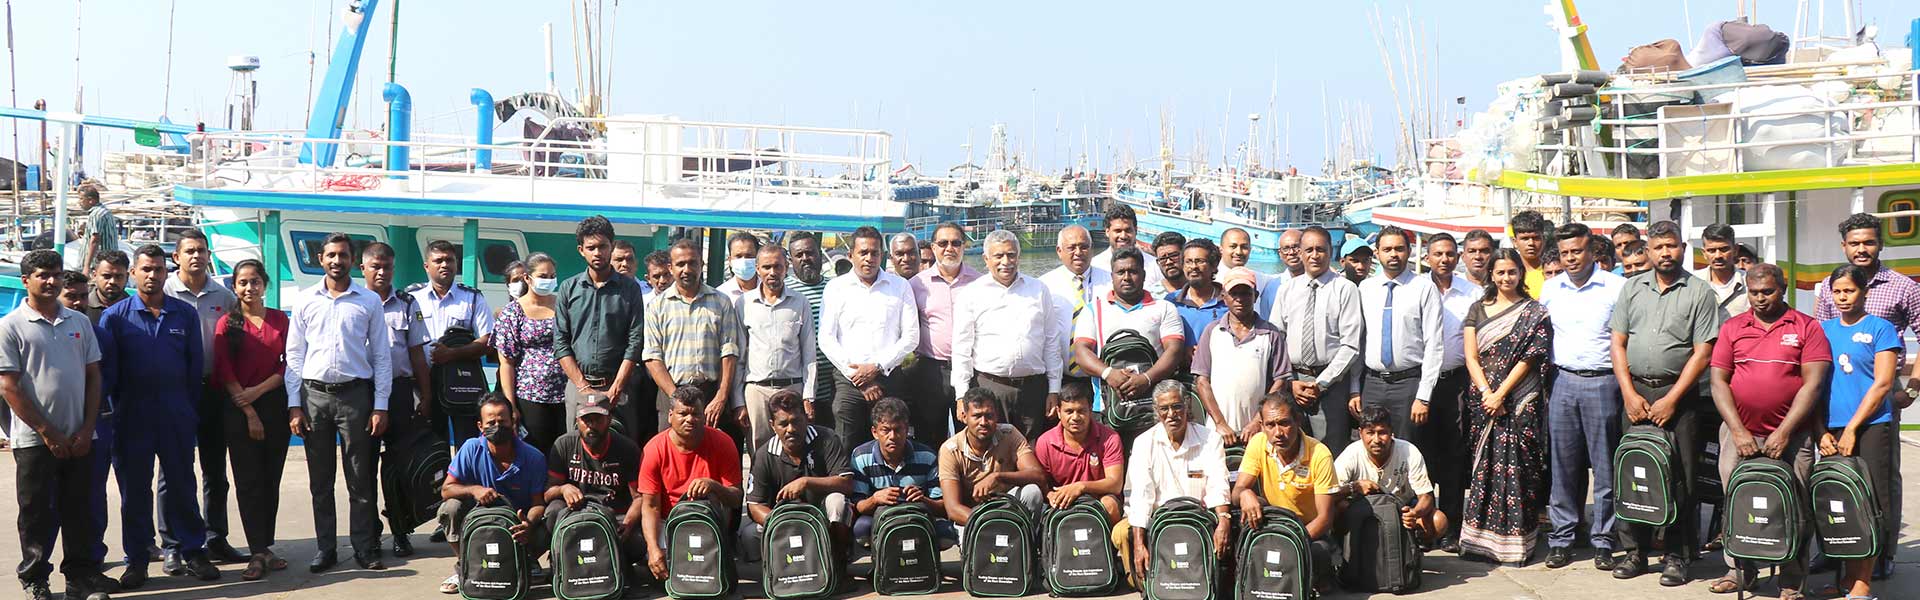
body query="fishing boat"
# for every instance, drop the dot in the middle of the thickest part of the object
(1005, 194)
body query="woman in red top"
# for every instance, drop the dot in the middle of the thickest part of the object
(249, 362)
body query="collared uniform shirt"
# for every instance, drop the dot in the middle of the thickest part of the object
(338, 339)
(691, 337)
(1581, 338)
(868, 324)
(462, 306)
(1663, 326)
(599, 326)
(779, 337)
(1416, 328)
(1454, 304)
(406, 328)
(1159, 471)
(1764, 365)
(1010, 331)
(51, 358)
(934, 294)
(151, 364)
(211, 304)
(1730, 296)
(1328, 336)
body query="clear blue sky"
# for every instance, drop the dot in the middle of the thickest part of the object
(932, 73)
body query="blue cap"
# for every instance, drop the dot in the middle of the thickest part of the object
(1354, 245)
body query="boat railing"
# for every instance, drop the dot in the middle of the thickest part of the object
(675, 158)
(1721, 141)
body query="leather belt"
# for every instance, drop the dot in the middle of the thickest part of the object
(1308, 372)
(778, 382)
(333, 388)
(1395, 376)
(1655, 382)
(1006, 381)
(1588, 372)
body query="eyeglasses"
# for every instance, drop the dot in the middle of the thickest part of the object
(949, 243)
(1168, 409)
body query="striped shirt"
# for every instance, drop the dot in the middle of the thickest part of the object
(823, 368)
(871, 472)
(690, 337)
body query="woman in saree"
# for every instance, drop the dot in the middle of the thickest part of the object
(1507, 339)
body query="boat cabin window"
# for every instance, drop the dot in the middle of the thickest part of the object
(307, 250)
(495, 255)
(1904, 230)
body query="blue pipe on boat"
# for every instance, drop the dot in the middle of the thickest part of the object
(1913, 43)
(483, 103)
(399, 124)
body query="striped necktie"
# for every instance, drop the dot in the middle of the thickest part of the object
(1079, 305)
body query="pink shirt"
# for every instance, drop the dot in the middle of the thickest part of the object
(934, 295)
(1765, 364)
(1065, 466)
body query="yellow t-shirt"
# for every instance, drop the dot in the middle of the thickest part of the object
(1291, 486)
(1536, 280)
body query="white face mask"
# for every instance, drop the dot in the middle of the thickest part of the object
(743, 268)
(517, 289)
(545, 286)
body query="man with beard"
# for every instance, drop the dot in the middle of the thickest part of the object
(1356, 260)
(804, 276)
(1319, 315)
(1201, 301)
(1122, 227)
(598, 328)
(1166, 258)
(1129, 307)
(109, 283)
(802, 463)
(1663, 331)
(595, 468)
(986, 458)
(693, 333)
(1476, 251)
(1583, 409)
(934, 291)
(412, 391)
(903, 255)
(1443, 437)
(1383, 464)
(1403, 336)
(868, 327)
(1285, 468)
(893, 469)
(1007, 331)
(1729, 283)
(497, 468)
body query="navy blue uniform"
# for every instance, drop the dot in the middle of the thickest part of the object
(152, 365)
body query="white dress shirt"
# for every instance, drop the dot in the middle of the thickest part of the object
(1062, 282)
(1009, 331)
(1582, 338)
(1454, 304)
(1158, 471)
(868, 324)
(1329, 337)
(1416, 327)
(338, 339)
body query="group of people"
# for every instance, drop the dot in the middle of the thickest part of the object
(1482, 389)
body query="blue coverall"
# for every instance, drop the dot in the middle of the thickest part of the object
(153, 374)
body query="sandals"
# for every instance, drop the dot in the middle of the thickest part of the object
(451, 585)
(275, 563)
(256, 568)
(1726, 584)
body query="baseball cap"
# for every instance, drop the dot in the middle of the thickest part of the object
(594, 403)
(1240, 276)
(1355, 245)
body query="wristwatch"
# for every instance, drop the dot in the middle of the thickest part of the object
(1912, 392)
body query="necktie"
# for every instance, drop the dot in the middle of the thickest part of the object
(1386, 329)
(1310, 351)
(1079, 304)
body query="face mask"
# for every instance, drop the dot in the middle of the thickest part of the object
(545, 286)
(742, 268)
(517, 289)
(498, 435)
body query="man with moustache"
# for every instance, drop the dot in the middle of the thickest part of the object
(868, 327)
(412, 389)
(1166, 257)
(1240, 359)
(1319, 315)
(1584, 408)
(109, 283)
(692, 333)
(780, 340)
(1290, 259)
(1129, 307)
(903, 255)
(804, 276)
(193, 283)
(1729, 283)
(1476, 251)
(1201, 302)
(1443, 439)
(1122, 227)
(1403, 336)
(598, 331)
(934, 292)
(1007, 331)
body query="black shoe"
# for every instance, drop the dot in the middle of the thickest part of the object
(1558, 557)
(1603, 560)
(439, 536)
(1883, 569)
(1450, 545)
(220, 551)
(80, 588)
(1629, 566)
(99, 583)
(202, 569)
(326, 559)
(173, 566)
(1674, 572)
(37, 590)
(370, 561)
(402, 547)
(133, 577)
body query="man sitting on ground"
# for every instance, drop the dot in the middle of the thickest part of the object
(495, 469)
(801, 462)
(1290, 470)
(893, 469)
(1176, 458)
(1082, 456)
(688, 461)
(1382, 464)
(593, 468)
(987, 458)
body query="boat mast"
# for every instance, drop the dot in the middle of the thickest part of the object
(13, 93)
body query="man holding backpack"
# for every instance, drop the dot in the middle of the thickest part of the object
(460, 329)
(1177, 459)
(1384, 464)
(495, 469)
(594, 468)
(802, 463)
(1664, 326)
(1286, 468)
(1768, 370)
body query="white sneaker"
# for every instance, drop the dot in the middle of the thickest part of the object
(451, 585)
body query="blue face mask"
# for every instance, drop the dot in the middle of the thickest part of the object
(545, 286)
(743, 268)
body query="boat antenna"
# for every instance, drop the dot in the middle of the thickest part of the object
(393, 44)
(166, 87)
(13, 93)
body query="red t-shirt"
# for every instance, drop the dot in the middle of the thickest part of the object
(665, 469)
(1066, 466)
(1766, 364)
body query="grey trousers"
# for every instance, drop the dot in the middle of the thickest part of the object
(1583, 428)
(338, 416)
(1396, 397)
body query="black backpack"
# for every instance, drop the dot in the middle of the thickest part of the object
(1076, 550)
(1381, 555)
(1275, 558)
(1235, 454)
(460, 385)
(1644, 477)
(797, 560)
(998, 549)
(1125, 349)
(586, 555)
(906, 559)
(699, 551)
(492, 565)
(1180, 563)
(1846, 514)
(410, 476)
(1765, 512)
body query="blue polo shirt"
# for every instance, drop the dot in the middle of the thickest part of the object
(151, 364)
(871, 472)
(1194, 319)
(520, 483)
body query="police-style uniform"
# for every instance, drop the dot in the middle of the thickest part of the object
(407, 329)
(462, 306)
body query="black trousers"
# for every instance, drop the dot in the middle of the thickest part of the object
(1023, 405)
(42, 483)
(544, 422)
(1443, 442)
(852, 413)
(257, 466)
(931, 404)
(402, 419)
(343, 415)
(1330, 421)
(1682, 538)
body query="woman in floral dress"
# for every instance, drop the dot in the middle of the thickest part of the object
(529, 375)
(1507, 336)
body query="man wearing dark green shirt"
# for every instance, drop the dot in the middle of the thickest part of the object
(597, 331)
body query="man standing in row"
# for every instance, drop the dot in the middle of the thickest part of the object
(804, 276)
(903, 254)
(1201, 302)
(1728, 282)
(1403, 334)
(743, 275)
(868, 326)
(1007, 338)
(109, 282)
(446, 305)
(339, 378)
(1240, 359)
(1166, 258)
(1529, 231)
(1291, 268)
(1123, 230)
(1476, 252)
(1129, 307)
(1583, 411)
(934, 292)
(1319, 315)
(1074, 281)
(411, 398)
(693, 333)
(211, 301)
(597, 331)
(777, 328)
(1442, 438)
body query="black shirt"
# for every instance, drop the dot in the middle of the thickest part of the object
(772, 469)
(608, 478)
